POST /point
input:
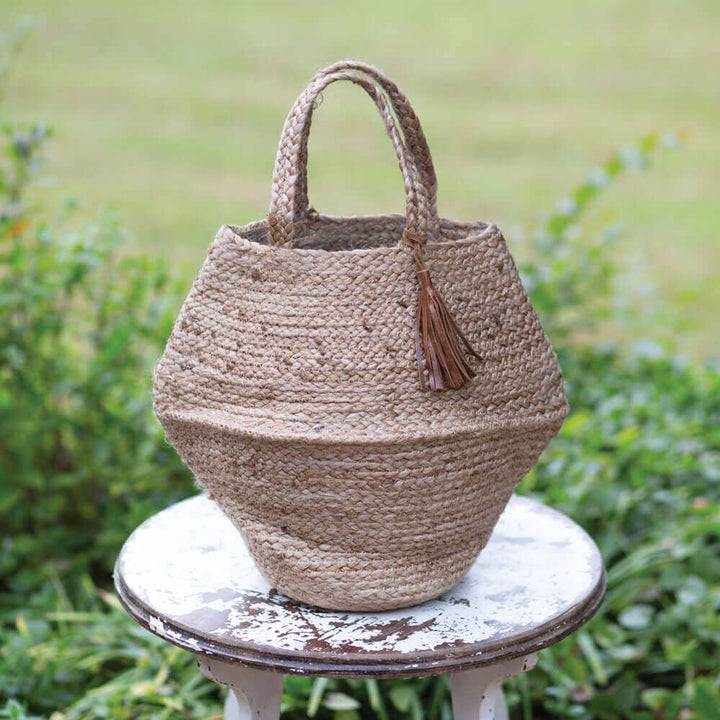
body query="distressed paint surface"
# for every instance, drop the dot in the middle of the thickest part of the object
(189, 566)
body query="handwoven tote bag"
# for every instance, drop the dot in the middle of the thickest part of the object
(360, 395)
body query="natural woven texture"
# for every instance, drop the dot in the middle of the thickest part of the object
(289, 205)
(289, 386)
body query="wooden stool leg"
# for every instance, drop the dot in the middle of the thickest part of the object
(501, 708)
(477, 694)
(254, 694)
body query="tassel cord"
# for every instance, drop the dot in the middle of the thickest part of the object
(438, 339)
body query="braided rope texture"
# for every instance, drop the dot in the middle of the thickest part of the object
(289, 387)
(289, 203)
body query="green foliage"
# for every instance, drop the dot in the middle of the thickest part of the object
(638, 464)
(568, 274)
(80, 327)
(82, 462)
(80, 451)
(16, 711)
(97, 663)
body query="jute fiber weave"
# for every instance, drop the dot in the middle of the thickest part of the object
(360, 395)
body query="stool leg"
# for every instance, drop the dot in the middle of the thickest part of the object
(477, 694)
(254, 694)
(501, 708)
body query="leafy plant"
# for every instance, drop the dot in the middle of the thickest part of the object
(80, 326)
(568, 273)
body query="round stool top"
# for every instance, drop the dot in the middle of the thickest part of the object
(186, 575)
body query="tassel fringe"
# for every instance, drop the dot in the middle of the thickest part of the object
(438, 339)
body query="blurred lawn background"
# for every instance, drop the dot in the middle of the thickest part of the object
(170, 113)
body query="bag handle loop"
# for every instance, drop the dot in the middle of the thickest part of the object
(409, 125)
(440, 345)
(289, 205)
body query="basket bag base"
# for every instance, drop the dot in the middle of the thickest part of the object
(400, 542)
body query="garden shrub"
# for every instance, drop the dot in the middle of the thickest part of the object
(82, 462)
(81, 456)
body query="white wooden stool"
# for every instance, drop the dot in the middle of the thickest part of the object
(186, 575)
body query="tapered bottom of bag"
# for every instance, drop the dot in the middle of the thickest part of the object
(353, 527)
(361, 582)
(353, 580)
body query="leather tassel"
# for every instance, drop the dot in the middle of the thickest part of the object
(438, 339)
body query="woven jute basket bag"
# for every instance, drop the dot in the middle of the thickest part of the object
(360, 395)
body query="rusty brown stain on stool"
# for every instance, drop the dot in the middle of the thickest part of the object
(390, 632)
(459, 601)
(400, 629)
(452, 645)
(251, 604)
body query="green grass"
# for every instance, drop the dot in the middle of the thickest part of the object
(170, 113)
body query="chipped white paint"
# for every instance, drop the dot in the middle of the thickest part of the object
(157, 626)
(190, 567)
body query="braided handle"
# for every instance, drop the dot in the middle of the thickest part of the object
(409, 124)
(289, 205)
